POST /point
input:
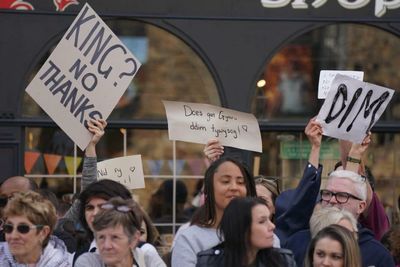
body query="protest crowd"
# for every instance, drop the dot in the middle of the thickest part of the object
(243, 221)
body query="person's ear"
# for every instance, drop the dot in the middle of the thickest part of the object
(134, 240)
(361, 207)
(44, 233)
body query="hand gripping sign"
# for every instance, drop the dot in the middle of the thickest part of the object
(84, 77)
(197, 123)
(352, 108)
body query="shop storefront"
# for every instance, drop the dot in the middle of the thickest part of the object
(259, 56)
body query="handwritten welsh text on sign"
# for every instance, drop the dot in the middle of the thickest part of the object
(125, 170)
(326, 77)
(352, 108)
(193, 122)
(84, 77)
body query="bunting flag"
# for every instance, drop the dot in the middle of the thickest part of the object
(69, 163)
(30, 160)
(179, 165)
(196, 165)
(51, 162)
(155, 166)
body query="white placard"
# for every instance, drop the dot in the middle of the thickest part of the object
(197, 123)
(84, 77)
(352, 108)
(326, 77)
(125, 170)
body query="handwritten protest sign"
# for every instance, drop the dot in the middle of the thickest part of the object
(352, 107)
(326, 77)
(84, 77)
(198, 123)
(125, 170)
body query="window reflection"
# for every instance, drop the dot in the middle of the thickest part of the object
(290, 91)
(170, 70)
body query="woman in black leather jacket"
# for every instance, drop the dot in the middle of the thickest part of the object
(247, 232)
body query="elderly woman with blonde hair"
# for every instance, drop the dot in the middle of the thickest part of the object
(30, 221)
(323, 217)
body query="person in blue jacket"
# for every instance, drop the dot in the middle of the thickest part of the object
(345, 190)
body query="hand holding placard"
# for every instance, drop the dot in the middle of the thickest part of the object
(84, 77)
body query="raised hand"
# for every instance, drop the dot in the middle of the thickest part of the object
(96, 127)
(213, 150)
(359, 149)
(314, 132)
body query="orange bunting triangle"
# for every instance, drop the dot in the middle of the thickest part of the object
(51, 162)
(69, 163)
(30, 160)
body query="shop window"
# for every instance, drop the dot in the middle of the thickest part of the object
(170, 70)
(287, 88)
(287, 91)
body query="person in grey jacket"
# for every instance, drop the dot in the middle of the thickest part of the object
(248, 235)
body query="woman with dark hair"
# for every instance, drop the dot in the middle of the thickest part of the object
(247, 234)
(333, 246)
(90, 200)
(224, 180)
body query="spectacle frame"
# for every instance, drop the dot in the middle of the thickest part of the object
(21, 228)
(341, 197)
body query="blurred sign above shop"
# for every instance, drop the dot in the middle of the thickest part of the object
(381, 6)
(262, 9)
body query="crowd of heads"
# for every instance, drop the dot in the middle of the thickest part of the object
(239, 207)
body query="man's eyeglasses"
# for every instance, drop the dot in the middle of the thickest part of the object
(21, 228)
(341, 197)
(109, 206)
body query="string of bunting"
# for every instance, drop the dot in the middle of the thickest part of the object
(51, 162)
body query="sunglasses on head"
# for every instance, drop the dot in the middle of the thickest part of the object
(21, 228)
(121, 208)
(274, 181)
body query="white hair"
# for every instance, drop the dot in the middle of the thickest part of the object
(326, 216)
(358, 181)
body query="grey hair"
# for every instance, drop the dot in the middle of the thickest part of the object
(326, 216)
(358, 181)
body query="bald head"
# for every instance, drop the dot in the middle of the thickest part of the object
(17, 184)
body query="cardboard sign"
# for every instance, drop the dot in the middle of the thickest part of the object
(198, 123)
(84, 77)
(326, 77)
(352, 108)
(125, 170)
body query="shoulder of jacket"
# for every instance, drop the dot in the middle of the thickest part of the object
(217, 250)
(284, 251)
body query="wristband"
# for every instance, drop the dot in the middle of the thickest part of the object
(354, 160)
